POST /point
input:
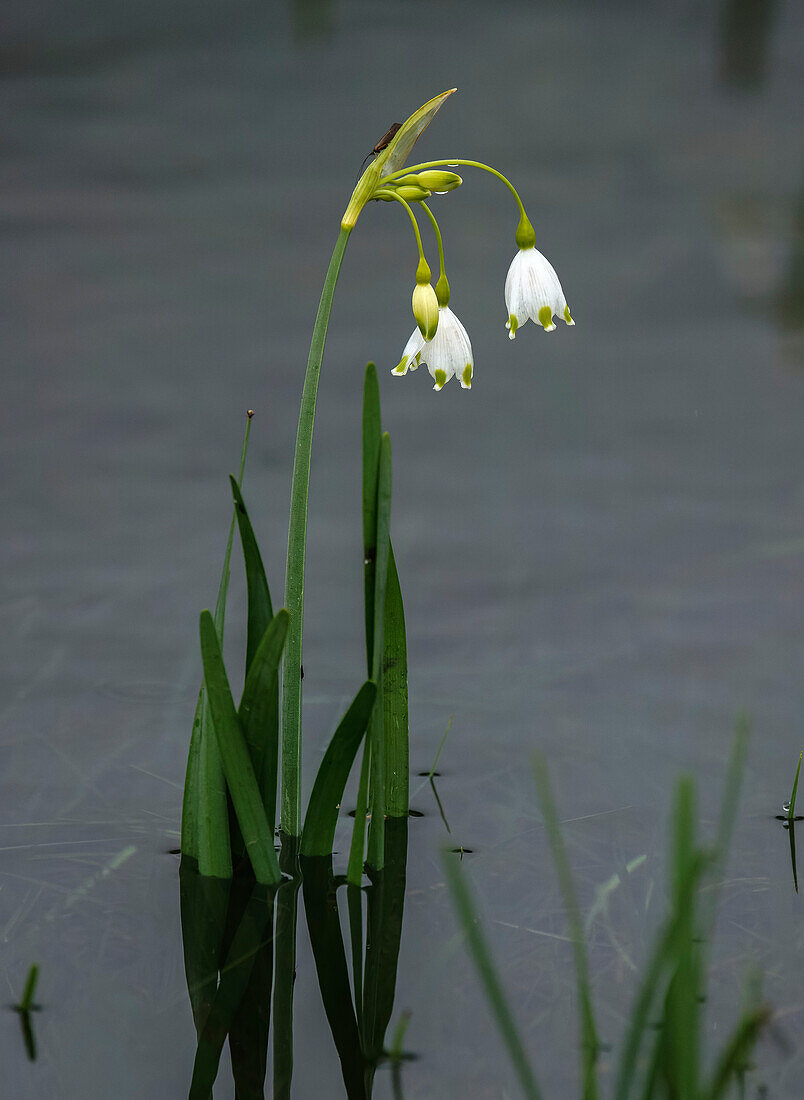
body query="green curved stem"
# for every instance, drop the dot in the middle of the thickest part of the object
(441, 272)
(290, 811)
(384, 193)
(455, 160)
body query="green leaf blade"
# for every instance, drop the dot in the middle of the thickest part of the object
(327, 792)
(236, 763)
(395, 698)
(259, 710)
(376, 731)
(205, 809)
(260, 611)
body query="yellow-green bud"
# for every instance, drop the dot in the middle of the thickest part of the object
(425, 309)
(438, 181)
(410, 192)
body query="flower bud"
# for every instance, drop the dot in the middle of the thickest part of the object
(410, 192)
(429, 180)
(438, 181)
(425, 309)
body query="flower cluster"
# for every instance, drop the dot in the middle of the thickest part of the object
(532, 288)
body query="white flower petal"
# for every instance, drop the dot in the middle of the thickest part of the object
(533, 292)
(449, 351)
(447, 355)
(411, 355)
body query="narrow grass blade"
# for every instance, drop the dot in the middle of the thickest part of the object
(431, 773)
(260, 611)
(791, 834)
(589, 1040)
(327, 792)
(372, 430)
(258, 835)
(326, 941)
(481, 956)
(205, 809)
(395, 698)
(376, 733)
(259, 711)
(791, 807)
(29, 992)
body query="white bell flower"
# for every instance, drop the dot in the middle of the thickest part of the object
(448, 354)
(533, 292)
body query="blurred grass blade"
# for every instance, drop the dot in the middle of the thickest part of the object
(479, 950)
(395, 698)
(259, 711)
(327, 792)
(376, 833)
(590, 1043)
(260, 611)
(258, 835)
(658, 964)
(661, 961)
(682, 1023)
(725, 825)
(736, 1054)
(372, 430)
(205, 809)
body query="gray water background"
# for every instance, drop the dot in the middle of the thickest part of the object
(600, 546)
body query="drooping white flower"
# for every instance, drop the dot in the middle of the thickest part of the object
(533, 292)
(448, 354)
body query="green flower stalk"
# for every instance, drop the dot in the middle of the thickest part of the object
(532, 291)
(391, 159)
